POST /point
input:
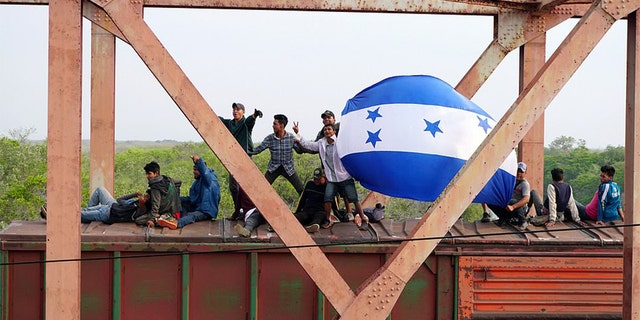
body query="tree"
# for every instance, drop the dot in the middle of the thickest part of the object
(564, 144)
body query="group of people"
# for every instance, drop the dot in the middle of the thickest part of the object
(162, 205)
(559, 204)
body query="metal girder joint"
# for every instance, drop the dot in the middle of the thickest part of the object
(619, 9)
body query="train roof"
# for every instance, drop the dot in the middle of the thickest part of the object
(463, 238)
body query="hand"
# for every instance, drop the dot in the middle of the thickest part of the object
(195, 158)
(599, 223)
(509, 208)
(257, 113)
(295, 127)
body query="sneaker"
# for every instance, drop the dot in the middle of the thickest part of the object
(270, 228)
(170, 223)
(523, 226)
(242, 231)
(486, 217)
(43, 211)
(500, 222)
(327, 224)
(313, 228)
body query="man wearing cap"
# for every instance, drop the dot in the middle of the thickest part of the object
(310, 209)
(328, 118)
(281, 145)
(517, 207)
(241, 128)
(203, 200)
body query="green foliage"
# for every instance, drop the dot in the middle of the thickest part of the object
(23, 174)
(23, 171)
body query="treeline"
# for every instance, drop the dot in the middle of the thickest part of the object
(23, 171)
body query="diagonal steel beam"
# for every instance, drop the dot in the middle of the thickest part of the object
(215, 134)
(513, 29)
(378, 294)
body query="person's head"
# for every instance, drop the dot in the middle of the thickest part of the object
(318, 176)
(152, 169)
(329, 130)
(279, 122)
(522, 170)
(606, 173)
(143, 199)
(238, 111)
(328, 117)
(196, 172)
(557, 174)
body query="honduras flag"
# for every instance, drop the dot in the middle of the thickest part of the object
(407, 137)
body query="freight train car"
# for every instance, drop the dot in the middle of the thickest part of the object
(206, 271)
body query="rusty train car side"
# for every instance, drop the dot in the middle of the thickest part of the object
(205, 271)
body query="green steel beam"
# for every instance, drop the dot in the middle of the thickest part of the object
(253, 300)
(320, 311)
(185, 287)
(117, 288)
(3, 283)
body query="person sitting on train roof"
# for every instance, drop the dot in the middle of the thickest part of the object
(103, 207)
(203, 200)
(252, 217)
(281, 145)
(310, 210)
(338, 179)
(605, 205)
(164, 196)
(559, 201)
(517, 207)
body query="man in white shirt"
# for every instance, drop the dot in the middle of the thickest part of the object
(338, 179)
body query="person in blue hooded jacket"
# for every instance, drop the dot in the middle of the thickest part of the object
(609, 207)
(203, 200)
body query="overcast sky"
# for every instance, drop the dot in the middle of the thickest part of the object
(299, 64)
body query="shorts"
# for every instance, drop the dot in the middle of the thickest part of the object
(346, 188)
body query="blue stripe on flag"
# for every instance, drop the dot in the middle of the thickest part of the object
(418, 89)
(420, 176)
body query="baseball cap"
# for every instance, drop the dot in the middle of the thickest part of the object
(327, 113)
(237, 105)
(522, 166)
(318, 173)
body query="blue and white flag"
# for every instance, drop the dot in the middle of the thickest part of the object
(407, 137)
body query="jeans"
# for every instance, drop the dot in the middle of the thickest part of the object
(254, 220)
(191, 217)
(98, 207)
(294, 179)
(346, 188)
(505, 215)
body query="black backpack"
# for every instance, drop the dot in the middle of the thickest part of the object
(122, 212)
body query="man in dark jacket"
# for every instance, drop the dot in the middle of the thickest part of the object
(164, 196)
(203, 200)
(241, 128)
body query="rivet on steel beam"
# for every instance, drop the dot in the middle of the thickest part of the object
(377, 308)
(370, 302)
(382, 307)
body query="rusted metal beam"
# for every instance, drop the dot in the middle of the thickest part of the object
(386, 284)
(103, 85)
(232, 156)
(428, 6)
(513, 29)
(63, 160)
(96, 15)
(631, 284)
(531, 148)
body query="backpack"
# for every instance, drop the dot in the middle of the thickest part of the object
(122, 212)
